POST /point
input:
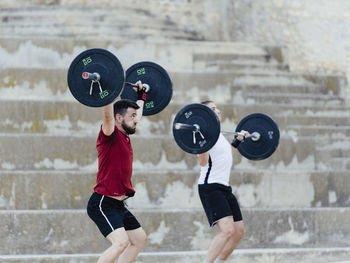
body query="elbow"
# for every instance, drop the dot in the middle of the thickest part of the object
(203, 162)
(108, 118)
(203, 159)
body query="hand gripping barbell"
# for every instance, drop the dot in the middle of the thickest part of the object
(196, 129)
(96, 78)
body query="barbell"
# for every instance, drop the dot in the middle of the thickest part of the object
(96, 78)
(196, 129)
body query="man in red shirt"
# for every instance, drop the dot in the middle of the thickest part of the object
(115, 155)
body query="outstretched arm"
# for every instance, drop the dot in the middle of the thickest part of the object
(237, 140)
(203, 158)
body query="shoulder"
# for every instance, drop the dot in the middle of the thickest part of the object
(102, 137)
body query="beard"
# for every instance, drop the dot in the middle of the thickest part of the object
(128, 129)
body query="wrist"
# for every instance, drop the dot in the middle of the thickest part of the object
(141, 95)
(235, 143)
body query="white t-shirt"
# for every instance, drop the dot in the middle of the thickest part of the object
(219, 165)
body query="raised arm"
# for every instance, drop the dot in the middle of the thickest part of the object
(141, 98)
(108, 121)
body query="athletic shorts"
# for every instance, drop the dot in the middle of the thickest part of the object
(110, 214)
(218, 202)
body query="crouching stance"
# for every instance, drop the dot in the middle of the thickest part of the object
(106, 205)
(219, 203)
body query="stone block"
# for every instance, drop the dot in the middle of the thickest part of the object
(71, 231)
(305, 255)
(76, 152)
(222, 87)
(168, 188)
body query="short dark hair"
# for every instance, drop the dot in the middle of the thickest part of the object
(206, 102)
(121, 106)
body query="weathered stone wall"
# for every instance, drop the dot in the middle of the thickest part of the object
(315, 32)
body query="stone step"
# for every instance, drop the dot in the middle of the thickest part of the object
(334, 156)
(75, 3)
(215, 58)
(338, 149)
(243, 65)
(137, 23)
(322, 140)
(339, 163)
(199, 20)
(171, 188)
(232, 87)
(74, 152)
(51, 53)
(332, 152)
(335, 129)
(294, 98)
(51, 84)
(286, 83)
(62, 117)
(174, 55)
(229, 87)
(68, 151)
(304, 123)
(269, 59)
(267, 255)
(59, 231)
(138, 31)
(48, 14)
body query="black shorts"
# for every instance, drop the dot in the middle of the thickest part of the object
(110, 214)
(218, 202)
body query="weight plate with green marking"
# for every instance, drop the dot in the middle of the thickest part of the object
(159, 82)
(103, 91)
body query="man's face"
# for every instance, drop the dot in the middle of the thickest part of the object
(130, 121)
(215, 109)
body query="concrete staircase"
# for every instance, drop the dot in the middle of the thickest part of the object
(295, 203)
(129, 19)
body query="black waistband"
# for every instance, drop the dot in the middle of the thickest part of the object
(110, 199)
(215, 186)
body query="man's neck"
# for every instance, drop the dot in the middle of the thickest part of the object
(120, 128)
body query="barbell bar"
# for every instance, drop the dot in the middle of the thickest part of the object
(255, 136)
(96, 77)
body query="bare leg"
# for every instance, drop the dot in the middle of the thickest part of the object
(119, 240)
(138, 240)
(233, 241)
(227, 229)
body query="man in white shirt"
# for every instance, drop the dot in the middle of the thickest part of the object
(219, 203)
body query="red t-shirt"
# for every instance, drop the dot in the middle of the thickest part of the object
(115, 157)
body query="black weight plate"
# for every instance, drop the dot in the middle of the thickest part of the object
(209, 127)
(269, 136)
(159, 81)
(110, 70)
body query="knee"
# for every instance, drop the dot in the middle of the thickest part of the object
(120, 245)
(240, 232)
(141, 240)
(228, 231)
(233, 231)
